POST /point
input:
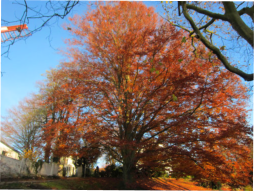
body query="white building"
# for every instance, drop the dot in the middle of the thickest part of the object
(8, 151)
(67, 165)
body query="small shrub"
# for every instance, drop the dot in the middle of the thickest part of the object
(56, 159)
(211, 184)
(216, 186)
(88, 172)
(157, 174)
(112, 171)
(117, 172)
(102, 173)
(37, 166)
(177, 175)
(145, 172)
(188, 177)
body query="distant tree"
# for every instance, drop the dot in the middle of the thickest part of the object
(22, 126)
(86, 157)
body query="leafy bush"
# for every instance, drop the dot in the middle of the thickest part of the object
(151, 172)
(188, 177)
(102, 173)
(88, 172)
(177, 175)
(37, 166)
(56, 159)
(211, 184)
(112, 171)
(159, 173)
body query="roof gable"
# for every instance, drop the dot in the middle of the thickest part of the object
(9, 146)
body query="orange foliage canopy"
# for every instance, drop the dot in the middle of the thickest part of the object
(135, 88)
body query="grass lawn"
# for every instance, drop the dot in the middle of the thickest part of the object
(105, 184)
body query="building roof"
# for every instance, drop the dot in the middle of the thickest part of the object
(8, 146)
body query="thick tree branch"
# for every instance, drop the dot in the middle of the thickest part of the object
(237, 23)
(247, 10)
(205, 12)
(245, 76)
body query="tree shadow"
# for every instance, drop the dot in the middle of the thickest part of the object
(160, 184)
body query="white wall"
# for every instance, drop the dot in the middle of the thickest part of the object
(79, 171)
(10, 167)
(49, 169)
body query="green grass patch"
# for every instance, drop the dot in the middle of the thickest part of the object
(69, 185)
(54, 185)
(248, 188)
(23, 186)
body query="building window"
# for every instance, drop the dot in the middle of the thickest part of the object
(4, 153)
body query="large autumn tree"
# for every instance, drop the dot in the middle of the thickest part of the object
(132, 86)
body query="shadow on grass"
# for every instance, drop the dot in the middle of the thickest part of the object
(159, 184)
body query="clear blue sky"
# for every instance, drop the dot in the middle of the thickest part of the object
(29, 59)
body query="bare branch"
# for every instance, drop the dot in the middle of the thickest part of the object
(247, 77)
(205, 12)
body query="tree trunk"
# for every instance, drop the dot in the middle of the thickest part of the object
(85, 171)
(47, 152)
(128, 168)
